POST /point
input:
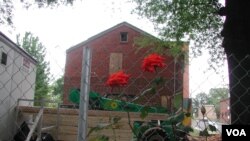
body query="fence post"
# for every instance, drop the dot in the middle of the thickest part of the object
(84, 94)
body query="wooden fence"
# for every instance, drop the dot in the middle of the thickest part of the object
(66, 122)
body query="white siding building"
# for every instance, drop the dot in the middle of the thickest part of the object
(17, 80)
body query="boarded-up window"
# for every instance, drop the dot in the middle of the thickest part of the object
(164, 101)
(115, 63)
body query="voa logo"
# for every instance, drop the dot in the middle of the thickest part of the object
(236, 132)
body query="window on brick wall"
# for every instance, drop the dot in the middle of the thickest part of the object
(124, 37)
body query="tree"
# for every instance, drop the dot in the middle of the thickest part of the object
(7, 7)
(193, 19)
(32, 45)
(55, 92)
(199, 100)
(215, 96)
(57, 88)
(6, 15)
(201, 21)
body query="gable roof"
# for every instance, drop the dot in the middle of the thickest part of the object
(14, 46)
(107, 31)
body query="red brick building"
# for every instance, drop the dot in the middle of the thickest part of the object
(225, 111)
(114, 49)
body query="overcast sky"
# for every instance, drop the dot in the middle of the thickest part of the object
(60, 28)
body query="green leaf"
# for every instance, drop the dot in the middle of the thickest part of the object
(204, 133)
(178, 101)
(212, 127)
(183, 21)
(158, 80)
(144, 112)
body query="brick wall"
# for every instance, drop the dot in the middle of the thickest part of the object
(131, 64)
(225, 111)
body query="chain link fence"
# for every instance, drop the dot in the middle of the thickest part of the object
(108, 94)
(125, 87)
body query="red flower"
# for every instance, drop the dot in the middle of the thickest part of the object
(151, 62)
(117, 79)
